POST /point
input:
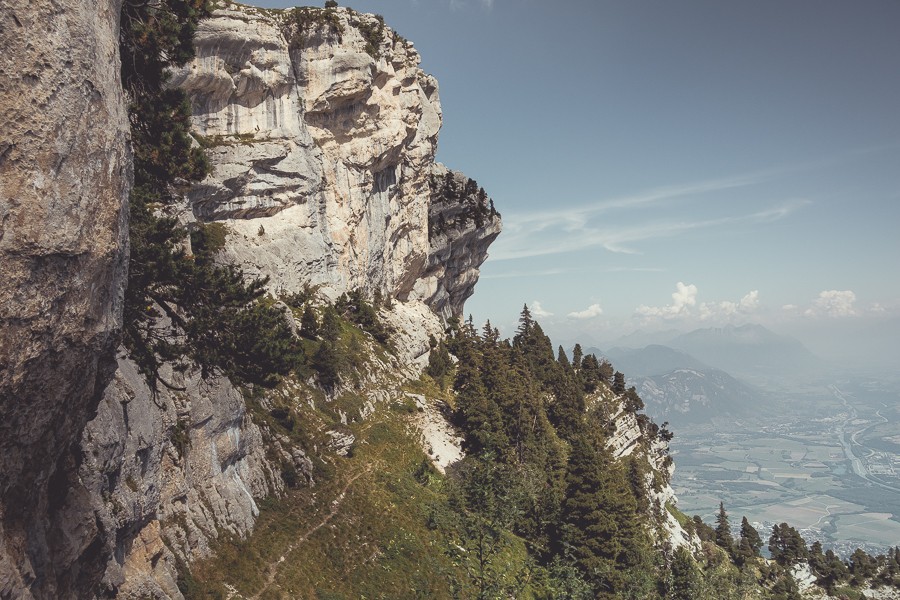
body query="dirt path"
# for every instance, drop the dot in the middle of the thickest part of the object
(335, 507)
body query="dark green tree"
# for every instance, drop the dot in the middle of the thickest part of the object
(326, 362)
(309, 324)
(862, 567)
(723, 530)
(331, 325)
(687, 580)
(577, 355)
(618, 383)
(750, 543)
(562, 359)
(786, 545)
(600, 522)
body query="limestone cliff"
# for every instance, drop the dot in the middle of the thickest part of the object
(322, 130)
(64, 180)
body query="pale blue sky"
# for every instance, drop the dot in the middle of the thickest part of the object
(734, 147)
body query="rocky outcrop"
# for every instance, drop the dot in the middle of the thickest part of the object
(631, 434)
(171, 472)
(64, 180)
(322, 130)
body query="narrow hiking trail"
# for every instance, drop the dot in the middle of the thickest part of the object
(272, 569)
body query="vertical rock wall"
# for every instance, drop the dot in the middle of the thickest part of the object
(64, 180)
(322, 131)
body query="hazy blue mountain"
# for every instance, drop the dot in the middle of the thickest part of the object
(679, 388)
(685, 396)
(651, 360)
(751, 351)
(641, 338)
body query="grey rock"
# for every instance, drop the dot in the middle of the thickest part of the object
(64, 179)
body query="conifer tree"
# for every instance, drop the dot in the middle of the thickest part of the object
(525, 322)
(577, 355)
(562, 359)
(618, 383)
(786, 545)
(309, 324)
(600, 523)
(750, 543)
(723, 530)
(686, 577)
(750, 533)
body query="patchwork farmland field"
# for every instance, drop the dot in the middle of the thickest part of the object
(833, 476)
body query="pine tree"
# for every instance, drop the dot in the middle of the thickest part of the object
(686, 577)
(326, 363)
(750, 542)
(525, 322)
(786, 545)
(562, 359)
(600, 522)
(723, 530)
(309, 324)
(331, 325)
(577, 355)
(618, 383)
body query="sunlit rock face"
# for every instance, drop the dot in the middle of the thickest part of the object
(322, 130)
(64, 180)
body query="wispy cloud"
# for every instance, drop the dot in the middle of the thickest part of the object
(565, 271)
(574, 216)
(570, 231)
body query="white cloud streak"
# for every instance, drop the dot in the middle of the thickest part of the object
(562, 271)
(545, 233)
(590, 312)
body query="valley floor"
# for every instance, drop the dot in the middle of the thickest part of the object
(830, 466)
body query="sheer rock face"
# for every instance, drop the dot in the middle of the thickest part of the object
(170, 473)
(323, 142)
(64, 180)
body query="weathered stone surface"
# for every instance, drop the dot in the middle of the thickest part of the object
(169, 473)
(322, 155)
(64, 180)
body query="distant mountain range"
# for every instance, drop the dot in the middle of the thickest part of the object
(752, 352)
(681, 389)
(694, 377)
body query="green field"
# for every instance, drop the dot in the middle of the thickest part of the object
(793, 468)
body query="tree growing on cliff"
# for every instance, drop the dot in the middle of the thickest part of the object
(181, 308)
(723, 530)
